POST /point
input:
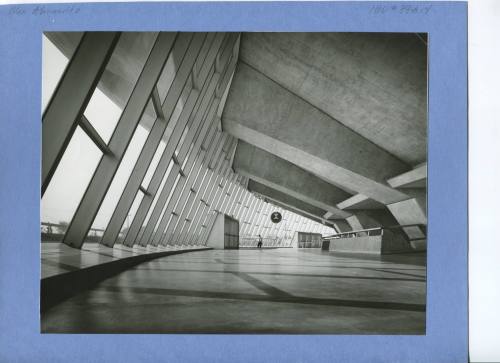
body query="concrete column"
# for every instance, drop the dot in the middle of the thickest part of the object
(216, 210)
(108, 165)
(230, 195)
(197, 218)
(246, 213)
(72, 95)
(187, 119)
(414, 210)
(200, 188)
(205, 211)
(245, 198)
(342, 225)
(371, 219)
(188, 56)
(167, 222)
(190, 193)
(237, 201)
(178, 199)
(215, 101)
(410, 212)
(250, 217)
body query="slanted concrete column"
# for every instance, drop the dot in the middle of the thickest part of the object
(341, 225)
(134, 182)
(360, 221)
(371, 219)
(411, 212)
(129, 119)
(71, 97)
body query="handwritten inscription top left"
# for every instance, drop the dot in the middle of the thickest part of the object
(41, 10)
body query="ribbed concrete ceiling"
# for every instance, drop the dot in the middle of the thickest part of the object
(373, 83)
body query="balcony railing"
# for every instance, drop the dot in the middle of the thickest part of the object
(379, 231)
(55, 232)
(251, 241)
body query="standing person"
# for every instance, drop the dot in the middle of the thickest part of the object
(259, 245)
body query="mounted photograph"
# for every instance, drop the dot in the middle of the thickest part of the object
(234, 183)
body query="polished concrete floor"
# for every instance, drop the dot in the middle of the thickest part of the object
(58, 258)
(254, 291)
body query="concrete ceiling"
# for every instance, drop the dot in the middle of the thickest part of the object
(323, 106)
(285, 199)
(268, 116)
(373, 83)
(281, 175)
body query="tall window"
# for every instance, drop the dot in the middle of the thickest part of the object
(54, 60)
(68, 184)
(82, 155)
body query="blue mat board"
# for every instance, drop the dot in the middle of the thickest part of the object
(20, 136)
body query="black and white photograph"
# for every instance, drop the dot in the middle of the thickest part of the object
(234, 183)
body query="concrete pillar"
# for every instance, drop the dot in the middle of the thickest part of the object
(127, 197)
(342, 225)
(411, 212)
(72, 95)
(108, 165)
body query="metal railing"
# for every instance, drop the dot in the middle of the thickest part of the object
(379, 231)
(56, 231)
(251, 241)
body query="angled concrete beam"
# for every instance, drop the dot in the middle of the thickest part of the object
(284, 198)
(282, 175)
(359, 201)
(409, 212)
(415, 178)
(341, 225)
(374, 83)
(371, 219)
(298, 212)
(262, 113)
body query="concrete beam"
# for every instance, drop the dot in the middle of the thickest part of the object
(359, 201)
(410, 212)
(299, 212)
(371, 219)
(374, 83)
(341, 225)
(281, 175)
(285, 199)
(264, 114)
(416, 178)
